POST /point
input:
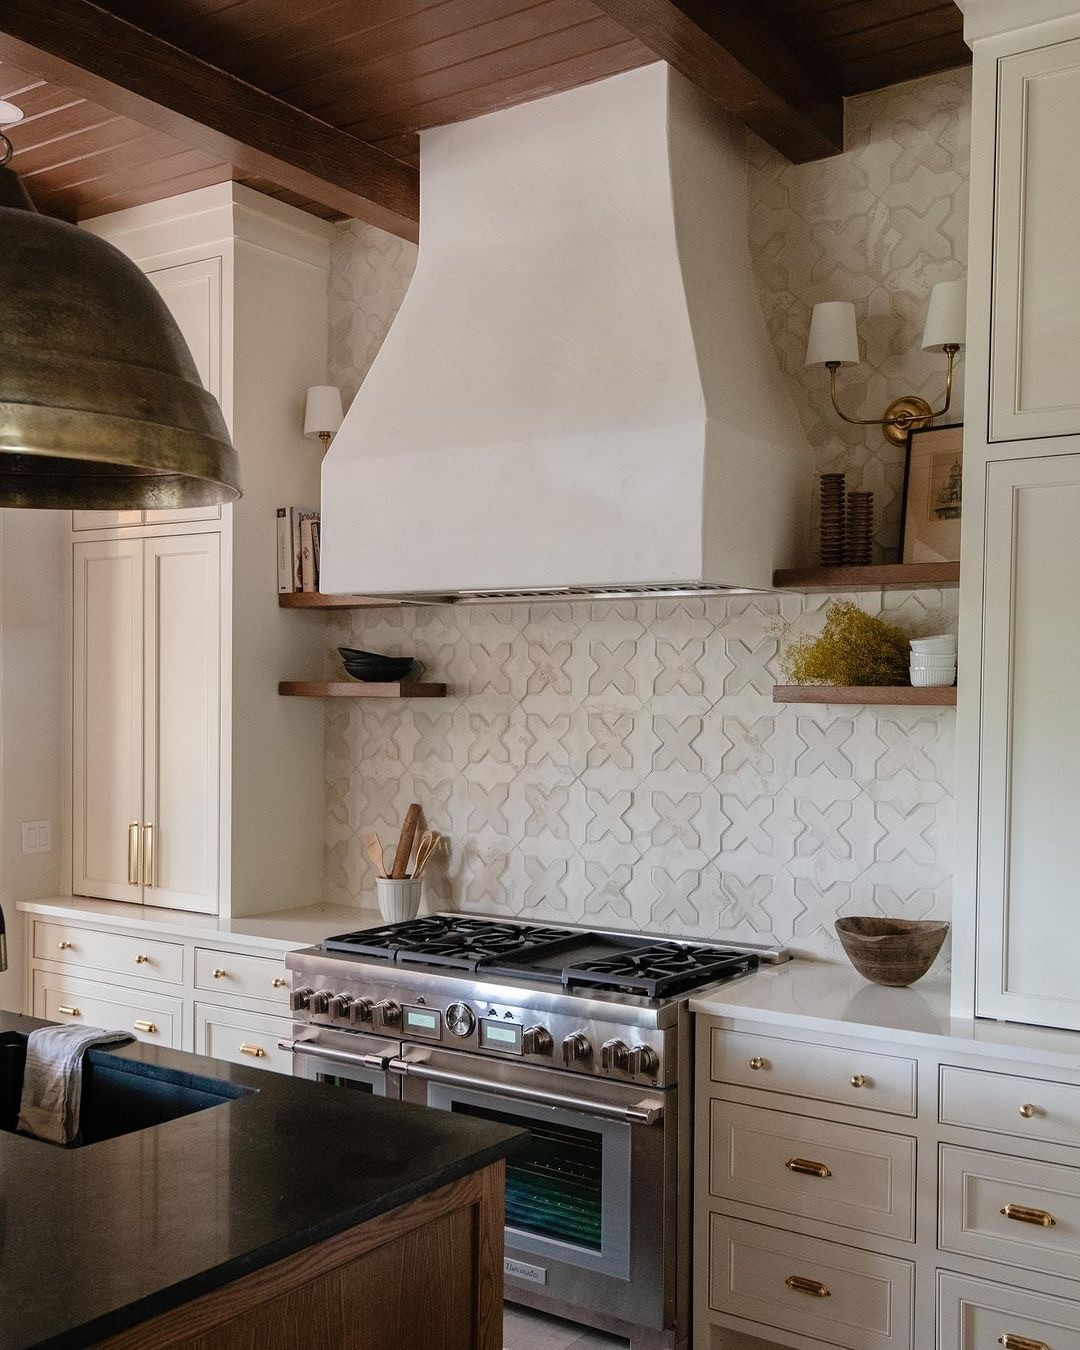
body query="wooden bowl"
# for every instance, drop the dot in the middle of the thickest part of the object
(891, 951)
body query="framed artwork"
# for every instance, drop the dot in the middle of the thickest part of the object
(933, 496)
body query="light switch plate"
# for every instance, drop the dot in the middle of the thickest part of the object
(36, 836)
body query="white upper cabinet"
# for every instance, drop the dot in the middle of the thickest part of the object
(1035, 358)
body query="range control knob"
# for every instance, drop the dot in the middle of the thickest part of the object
(536, 1041)
(360, 1010)
(340, 1005)
(300, 999)
(320, 1000)
(575, 1047)
(614, 1054)
(644, 1059)
(386, 1013)
(460, 1019)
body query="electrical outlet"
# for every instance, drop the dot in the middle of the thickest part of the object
(36, 836)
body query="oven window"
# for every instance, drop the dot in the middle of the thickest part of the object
(554, 1185)
(336, 1080)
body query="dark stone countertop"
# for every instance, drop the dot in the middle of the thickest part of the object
(96, 1239)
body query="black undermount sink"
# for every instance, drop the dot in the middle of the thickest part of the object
(119, 1096)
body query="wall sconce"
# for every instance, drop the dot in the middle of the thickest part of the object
(834, 342)
(322, 413)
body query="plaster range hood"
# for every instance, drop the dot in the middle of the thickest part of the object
(578, 395)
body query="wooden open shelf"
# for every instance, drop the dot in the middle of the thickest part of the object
(934, 696)
(358, 689)
(878, 577)
(313, 600)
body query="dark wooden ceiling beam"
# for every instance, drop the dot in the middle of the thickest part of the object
(121, 67)
(725, 50)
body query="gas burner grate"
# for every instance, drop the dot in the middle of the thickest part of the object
(458, 942)
(659, 969)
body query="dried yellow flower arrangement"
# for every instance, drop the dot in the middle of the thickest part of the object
(854, 649)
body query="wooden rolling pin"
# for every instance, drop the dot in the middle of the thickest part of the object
(405, 843)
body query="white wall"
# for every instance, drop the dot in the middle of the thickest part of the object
(31, 721)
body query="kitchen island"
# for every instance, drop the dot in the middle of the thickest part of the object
(272, 1213)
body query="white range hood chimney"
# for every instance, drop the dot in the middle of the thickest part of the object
(578, 393)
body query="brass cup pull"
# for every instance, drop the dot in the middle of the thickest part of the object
(69, 1010)
(1011, 1342)
(219, 974)
(255, 1051)
(757, 1062)
(141, 959)
(1028, 1110)
(149, 1027)
(807, 1168)
(799, 1284)
(1025, 1214)
(859, 1080)
(279, 982)
(64, 946)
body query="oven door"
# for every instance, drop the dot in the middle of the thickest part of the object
(587, 1224)
(345, 1059)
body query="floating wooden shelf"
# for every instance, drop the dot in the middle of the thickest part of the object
(934, 696)
(313, 600)
(881, 577)
(358, 689)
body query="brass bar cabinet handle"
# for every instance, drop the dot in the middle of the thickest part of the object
(255, 1051)
(799, 1284)
(149, 1027)
(1025, 1214)
(69, 1010)
(807, 1167)
(133, 853)
(148, 855)
(1011, 1342)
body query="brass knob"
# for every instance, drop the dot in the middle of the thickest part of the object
(1027, 1110)
(141, 959)
(858, 1080)
(218, 973)
(149, 1027)
(279, 982)
(255, 1051)
(64, 946)
(757, 1062)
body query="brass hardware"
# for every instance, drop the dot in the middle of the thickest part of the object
(801, 1285)
(255, 1051)
(149, 1027)
(69, 1011)
(757, 1062)
(807, 1167)
(218, 973)
(133, 853)
(279, 982)
(858, 1080)
(141, 958)
(1027, 1110)
(64, 946)
(1011, 1342)
(148, 855)
(1025, 1214)
(903, 414)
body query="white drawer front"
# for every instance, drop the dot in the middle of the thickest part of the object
(841, 1174)
(998, 1207)
(155, 1018)
(148, 958)
(978, 1315)
(262, 977)
(1005, 1103)
(840, 1295)
(241, 1037)
(820, 1072)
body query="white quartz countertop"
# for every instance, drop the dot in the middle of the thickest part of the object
(278, 930)
(827, 997)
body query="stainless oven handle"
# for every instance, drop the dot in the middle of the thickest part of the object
(641, 1113)
(377, 1062)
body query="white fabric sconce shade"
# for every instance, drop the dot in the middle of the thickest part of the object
(832, 335)
(945, 317)
(322, 412)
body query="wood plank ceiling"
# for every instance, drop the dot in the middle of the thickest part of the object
(382, 70)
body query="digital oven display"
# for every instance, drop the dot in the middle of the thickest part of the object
(500, 1036)
(423, 1022)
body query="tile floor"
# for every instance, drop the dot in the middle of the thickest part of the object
(526, 1330)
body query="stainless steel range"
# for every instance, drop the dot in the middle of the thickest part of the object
(580, 1036)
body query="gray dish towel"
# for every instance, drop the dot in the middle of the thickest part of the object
(52, 1080)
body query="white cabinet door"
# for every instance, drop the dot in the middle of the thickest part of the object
(107, 760)
(1035, 379)
(182, 721)
(1029, 799)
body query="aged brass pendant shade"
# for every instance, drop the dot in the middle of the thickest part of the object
(100, 402)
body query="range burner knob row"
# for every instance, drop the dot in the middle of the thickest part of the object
(536, 1041)
(614, 1054)
(575, 1047)
(300, 999)
(386, 1013)
(644, 1059)
(340, 1005)
(360, 1010)
(319, 1002)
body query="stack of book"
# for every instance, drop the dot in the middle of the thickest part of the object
(297, 549)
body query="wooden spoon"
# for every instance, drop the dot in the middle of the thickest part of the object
(374, 852)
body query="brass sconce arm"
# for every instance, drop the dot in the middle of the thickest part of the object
(903, 414)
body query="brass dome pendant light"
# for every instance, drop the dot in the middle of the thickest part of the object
(100, 402)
